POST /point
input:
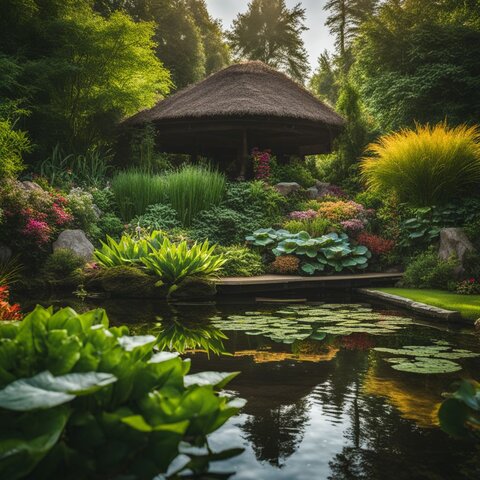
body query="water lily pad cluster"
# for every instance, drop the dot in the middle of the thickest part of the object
(299, 322)
(430, 359)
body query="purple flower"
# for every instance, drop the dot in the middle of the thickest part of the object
(307, 215)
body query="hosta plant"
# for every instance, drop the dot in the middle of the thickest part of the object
(175, 262)
(81, 400)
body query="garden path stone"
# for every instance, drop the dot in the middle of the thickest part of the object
(75, 241)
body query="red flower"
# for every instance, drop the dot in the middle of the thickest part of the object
(377, 245)
(8, 311)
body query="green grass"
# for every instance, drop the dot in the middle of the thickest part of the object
(467, 305)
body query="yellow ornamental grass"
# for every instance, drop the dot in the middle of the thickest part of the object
(426, 166)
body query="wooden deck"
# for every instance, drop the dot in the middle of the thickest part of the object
(269, 283)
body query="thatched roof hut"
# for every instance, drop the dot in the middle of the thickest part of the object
(240, 107)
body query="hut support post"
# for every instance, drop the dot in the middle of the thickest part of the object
(244, 159)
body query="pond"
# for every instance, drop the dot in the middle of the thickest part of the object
(335, 389)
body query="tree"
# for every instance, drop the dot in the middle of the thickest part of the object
(217, 53)
(270, 32)
(418, 61)
(324, 81)
(80, 72)
(344, 20)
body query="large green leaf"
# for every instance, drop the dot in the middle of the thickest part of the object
(46, 391)
(215, 379)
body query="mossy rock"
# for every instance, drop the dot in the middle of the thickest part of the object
(127, 282)
(194, 288)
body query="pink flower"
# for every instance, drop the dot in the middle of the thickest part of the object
(353, 225)
(38, 230)
(61, 217)
(306, 215)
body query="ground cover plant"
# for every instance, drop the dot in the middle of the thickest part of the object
(79, 396)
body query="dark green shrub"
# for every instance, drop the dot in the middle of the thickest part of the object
(294, 171)
(240, 261)
(104, 199)
(109, 224)
(61, 264)
(158, 217)
(125, 281)
(426, 270)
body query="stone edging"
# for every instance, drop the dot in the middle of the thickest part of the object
(421, 308)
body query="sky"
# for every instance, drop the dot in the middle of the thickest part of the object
(316, 39)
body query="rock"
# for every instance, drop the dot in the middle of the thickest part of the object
(286, 188)
(77, 242)
(29, 186)
(454, 242)
(323, 188)
(477, 324)
(194, 288)
(127, 282)
(5, 253)
(96, 211)
(312, 193)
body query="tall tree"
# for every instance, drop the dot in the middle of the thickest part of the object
(77, 71)
(217, 53)
(418, 61)
(271, 32)
(324, 81)
(344, 20)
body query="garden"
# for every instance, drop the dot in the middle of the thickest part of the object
(120, 355)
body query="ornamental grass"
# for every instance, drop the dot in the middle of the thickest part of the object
(429, 165)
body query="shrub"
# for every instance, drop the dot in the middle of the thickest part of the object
(8, 311)
(62, 264)
(426, 270)
(315, 227)
(341, 210)
(294, 171)
(285, 264)
(193, 189)
(78, 399)
(135, 190)
(303, 215)
(376, 244)
(158, 217)
(108, 224)
(240, 261)
(425, 166)
(221, 225)
(13, 144)
(471, 286)
(80, 203)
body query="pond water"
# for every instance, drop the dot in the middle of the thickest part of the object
(335, 389)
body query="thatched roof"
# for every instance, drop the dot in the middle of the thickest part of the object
(242, 91)
(243, 106)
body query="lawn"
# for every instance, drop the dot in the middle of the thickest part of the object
(467, 305)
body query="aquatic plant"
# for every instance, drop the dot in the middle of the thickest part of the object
(79, 397)
(429, 359)
(459, 414)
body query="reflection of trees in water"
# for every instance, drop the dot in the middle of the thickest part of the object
(276, 433)
(382, 445)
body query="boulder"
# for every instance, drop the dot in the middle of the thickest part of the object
(5, 253)
(323, 188)
(286, 188)
(29, 186)
(77, 242)
(454, 242)
(312, 193)
(477, 324)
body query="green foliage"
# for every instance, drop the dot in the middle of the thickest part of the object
(174, 263)
(158, 217)
(425, 166)
(294, 171)
(61, 264)
(70, 384)
(14, 144)
(315, 227)
(193, 189)
(125, 282)
(324, 82)
(10, 270)
(79, 71)
(328, 252)
(426, 270)
(108, 224)
(271, 32)
(188, 190)
(240, 261)
(129, 250)
(417, 62)
(136, 190)
(80, 203)
(459, 414)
